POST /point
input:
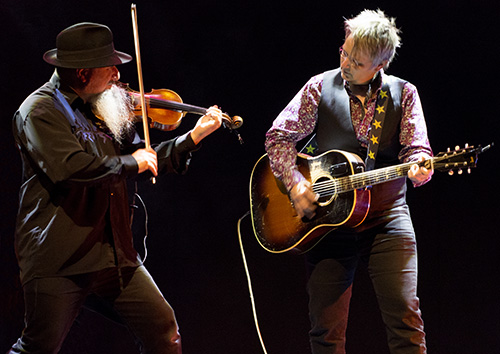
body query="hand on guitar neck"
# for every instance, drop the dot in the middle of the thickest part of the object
(418, 173)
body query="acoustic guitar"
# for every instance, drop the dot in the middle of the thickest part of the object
(340, 180)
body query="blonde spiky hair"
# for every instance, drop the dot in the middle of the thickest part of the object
(374, 34)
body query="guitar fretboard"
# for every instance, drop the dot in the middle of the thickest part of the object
(444, 161)
(361, 180)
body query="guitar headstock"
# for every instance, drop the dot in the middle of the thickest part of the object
(459, 159)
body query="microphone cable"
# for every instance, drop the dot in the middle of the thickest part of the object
(245, 265)
(146, 218)
(133, 206)
(249, 281)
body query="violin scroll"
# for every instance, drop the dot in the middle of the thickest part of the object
(232, 122)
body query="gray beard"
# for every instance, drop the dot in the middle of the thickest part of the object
(114, 107)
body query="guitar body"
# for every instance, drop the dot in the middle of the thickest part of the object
(276, 224)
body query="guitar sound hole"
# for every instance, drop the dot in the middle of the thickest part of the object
(324, 187)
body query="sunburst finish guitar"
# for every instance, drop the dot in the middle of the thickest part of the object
(339, 179)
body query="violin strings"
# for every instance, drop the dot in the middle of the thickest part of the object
(178, 106)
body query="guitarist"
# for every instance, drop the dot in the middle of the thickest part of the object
(341, 107)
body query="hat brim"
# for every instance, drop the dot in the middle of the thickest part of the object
(116, 58)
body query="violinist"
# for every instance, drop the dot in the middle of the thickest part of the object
(73, 236)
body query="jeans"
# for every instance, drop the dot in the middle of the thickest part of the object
(53, 303)
(386, 243)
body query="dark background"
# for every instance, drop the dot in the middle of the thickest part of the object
(250, 58)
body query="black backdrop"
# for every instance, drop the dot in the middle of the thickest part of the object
(250, 58)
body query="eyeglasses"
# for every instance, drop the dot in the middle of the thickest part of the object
(344, 55)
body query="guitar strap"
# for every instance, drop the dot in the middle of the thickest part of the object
(376, 127)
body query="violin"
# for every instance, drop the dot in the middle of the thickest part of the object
(165, 109)
(153, 107)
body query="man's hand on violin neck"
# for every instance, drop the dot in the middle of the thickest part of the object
(207, 124)
(146, 160)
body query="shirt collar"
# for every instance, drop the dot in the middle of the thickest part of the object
(376, 83)
(71, 96)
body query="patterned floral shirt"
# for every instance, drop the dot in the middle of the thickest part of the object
(299, 118)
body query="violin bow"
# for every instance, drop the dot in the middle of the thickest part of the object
(145, 125)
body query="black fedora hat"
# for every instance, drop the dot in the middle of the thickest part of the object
(85, 45)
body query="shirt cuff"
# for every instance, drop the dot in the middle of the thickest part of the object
(130, 166)
(291, 178)
(184, 143)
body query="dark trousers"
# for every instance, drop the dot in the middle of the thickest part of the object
(53, 303)
(386, 243)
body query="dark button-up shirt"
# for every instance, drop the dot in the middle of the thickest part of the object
(73, 212)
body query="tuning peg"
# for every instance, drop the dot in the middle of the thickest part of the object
(457, 148)
(448, 150)
(460, 171)
(466, 145)
(450, 172)
(469, 170)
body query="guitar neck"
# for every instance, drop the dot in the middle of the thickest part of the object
(370, 178)
(362, 180)
(444, 161)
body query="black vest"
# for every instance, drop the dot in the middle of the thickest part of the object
(335, 129)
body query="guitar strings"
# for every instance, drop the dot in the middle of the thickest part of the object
(356, 181)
